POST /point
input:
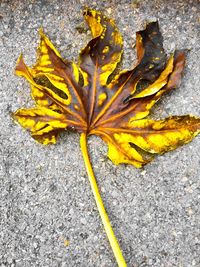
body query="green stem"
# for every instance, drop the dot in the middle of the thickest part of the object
(99, 202)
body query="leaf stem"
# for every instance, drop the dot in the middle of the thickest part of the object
(99, 202)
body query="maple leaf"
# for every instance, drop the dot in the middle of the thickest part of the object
(91, 98)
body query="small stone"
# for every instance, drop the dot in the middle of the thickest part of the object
(190, 211)
(193, 263)
(184, 179)
(109, 10)
(82, 179)
(174, 233)
(83, 220)
(114, 202)
(103, 189)
(189, 189)
(143, 173)
(35, 245)
(194, 9)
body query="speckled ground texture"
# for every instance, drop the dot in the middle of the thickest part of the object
(47, 212)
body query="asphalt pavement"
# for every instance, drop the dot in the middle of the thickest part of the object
(48, 217)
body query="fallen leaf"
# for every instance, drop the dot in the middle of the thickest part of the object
(83, 97)
(92, 98)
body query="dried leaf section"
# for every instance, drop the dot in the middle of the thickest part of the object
(91, 98)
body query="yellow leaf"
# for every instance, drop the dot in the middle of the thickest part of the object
(87, 98)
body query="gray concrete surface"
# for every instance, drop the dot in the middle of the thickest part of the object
(48, 217)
